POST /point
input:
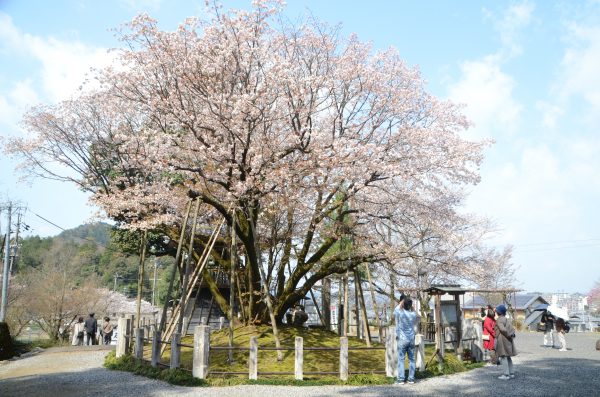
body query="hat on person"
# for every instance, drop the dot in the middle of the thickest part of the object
(501, 310)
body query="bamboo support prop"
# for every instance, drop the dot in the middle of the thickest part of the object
(163, 318)
(377, 317)
(200, 265)
(266, 291)
(140, 284)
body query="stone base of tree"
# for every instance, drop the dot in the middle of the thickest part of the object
(6, 347)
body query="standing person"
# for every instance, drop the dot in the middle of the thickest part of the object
(78, 331)
(91, 327)
(548, 320)
(561, 330)
(107, 330)
(405, 335)
(489, 335)
(505, 345)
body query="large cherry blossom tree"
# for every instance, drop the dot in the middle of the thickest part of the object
(308, 135)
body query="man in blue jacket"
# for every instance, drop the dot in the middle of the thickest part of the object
(405, 335)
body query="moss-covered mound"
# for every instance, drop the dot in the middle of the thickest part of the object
(365, 364)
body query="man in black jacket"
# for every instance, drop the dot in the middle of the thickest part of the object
(91, 326)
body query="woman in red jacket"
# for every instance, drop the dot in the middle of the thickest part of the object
(488, 329)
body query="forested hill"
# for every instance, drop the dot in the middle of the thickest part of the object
(98, 232)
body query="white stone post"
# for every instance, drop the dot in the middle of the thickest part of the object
(420, 352)
(344, 358)
(201, 351)
(391, 352)
(299, 359)
(121, 339)
(478, 351)
(155, 348)
(221, 322)
(139, 343)
(175, 350)
(253, 359)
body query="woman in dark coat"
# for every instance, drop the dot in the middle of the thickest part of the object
(488, 329)
(505, 345)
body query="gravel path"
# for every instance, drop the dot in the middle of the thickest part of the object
(539, 371)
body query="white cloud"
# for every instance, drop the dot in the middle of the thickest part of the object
(488, 94)
(515, 19)
(64, 64)
(581, 64)
(142, 4)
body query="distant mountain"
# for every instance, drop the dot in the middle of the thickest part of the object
(98, 232)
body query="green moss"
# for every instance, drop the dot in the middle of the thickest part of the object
(314, 361)
(130, 364)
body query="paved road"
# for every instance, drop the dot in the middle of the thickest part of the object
(539, 371)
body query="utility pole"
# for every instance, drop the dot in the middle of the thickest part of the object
(6, 265)
(117, 276)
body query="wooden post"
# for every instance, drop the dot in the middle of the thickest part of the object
(163, 317)
(233, 265)
(175, 350)
(155, 348)
(346, 309)
(326, 303)
(344, 358)
(139, 343)
(221, 322)
(363, 307)
(184, 326)
(186, 273)
(253, 359)
(140, 284)
(129, 333)
(420, 352)
(201, 351)
(439, 331)
(375, 307)
(121, 336)
(299, 359)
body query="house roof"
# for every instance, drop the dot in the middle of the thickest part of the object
(518, 301)
(446, 289)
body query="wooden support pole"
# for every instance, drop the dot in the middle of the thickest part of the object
(344, 358)
(263, 280)
(163, 317)
(186, 273)
(253, 359)
(299, 359)
(139, 343)
(155, 348)
(439, 331)
(200, 363)
(346, 309)
(361, 300)
(175, 351)
(326, 302)
(140, 283)
(233, 257)
(373, 298)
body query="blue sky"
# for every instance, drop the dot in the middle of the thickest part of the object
(527, 72)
